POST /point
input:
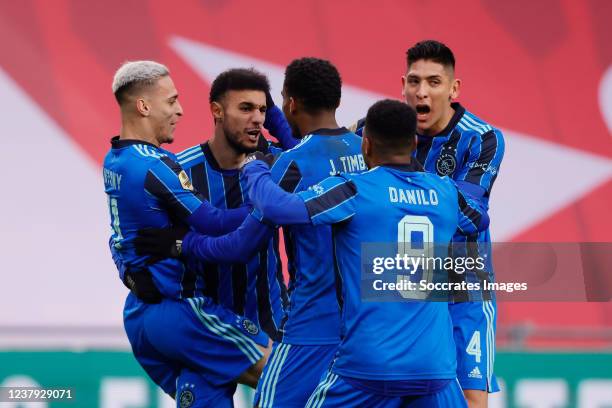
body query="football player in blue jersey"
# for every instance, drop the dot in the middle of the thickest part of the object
(310, 335)
(194, 349)
(454, 142)
(311, 95)
(238, 105)
(392, 354)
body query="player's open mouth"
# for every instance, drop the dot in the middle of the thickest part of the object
(422, 111)
(253, 134)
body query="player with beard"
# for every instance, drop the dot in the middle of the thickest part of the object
(254, 289)
(311, 95)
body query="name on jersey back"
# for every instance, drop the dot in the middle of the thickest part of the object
(348, 164)
(413, 196)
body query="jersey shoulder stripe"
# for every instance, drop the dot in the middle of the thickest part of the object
(188, 152)
(331, 199)
(189, 158)
(146, 151)
(468, 123)
(299, 146)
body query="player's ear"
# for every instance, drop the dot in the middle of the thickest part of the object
(292, 105)
(366, 147)
(454, 94)
(143, 107)
(217, 111)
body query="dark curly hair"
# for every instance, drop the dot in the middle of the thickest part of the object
(238, 79)
(316, 83)
(391, 124)
(431, 50)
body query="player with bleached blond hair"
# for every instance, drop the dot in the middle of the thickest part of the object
(193, 348)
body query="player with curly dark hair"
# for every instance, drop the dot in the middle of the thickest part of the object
(311, 94)
(311, 330)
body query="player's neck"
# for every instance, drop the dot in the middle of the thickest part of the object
(441, 124)
(226, 156)
(400, 160)
(137, 131)
(325, 120)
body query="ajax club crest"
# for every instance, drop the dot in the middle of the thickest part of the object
(446, 164)
(250, 327)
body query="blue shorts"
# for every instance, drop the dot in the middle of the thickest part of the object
(292, 373)
(334, 391)
(192, 341)
(474, 326)
(194, 391)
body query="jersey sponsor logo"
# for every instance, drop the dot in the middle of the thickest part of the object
(446, 164)
(485, 167)
(250, 327)
(475, 373)
(185, 182)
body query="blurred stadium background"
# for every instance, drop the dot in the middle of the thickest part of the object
(539, 70)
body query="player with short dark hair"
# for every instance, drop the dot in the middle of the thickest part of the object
(455, 143)
(311, 94)
(177, 335)
(237, 79)
(315, 82)
(391, 353)
(254, 288)
(433, 51)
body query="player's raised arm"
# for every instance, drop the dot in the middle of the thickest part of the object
(168, 182)
(277, 125)
(274, 203)
(325, 203)
(236, 247)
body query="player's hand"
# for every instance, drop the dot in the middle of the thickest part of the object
(160, 242)
(357, 125)
(140, 282)
(266, 158)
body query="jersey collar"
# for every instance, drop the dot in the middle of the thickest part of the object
(409, 167)
(330, 132)
(210, 158)
(117, 143)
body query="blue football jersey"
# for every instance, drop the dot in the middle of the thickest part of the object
(256, 289)
(469, 151)
(146, 188)
(391, 341)
(313, 315)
